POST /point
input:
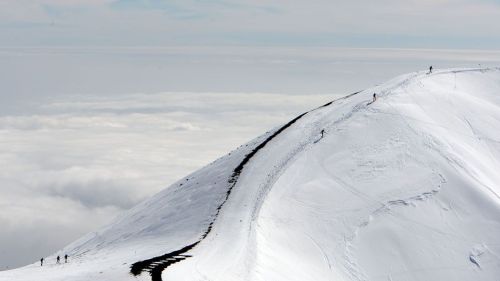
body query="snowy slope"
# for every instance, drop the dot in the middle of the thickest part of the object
(406, 188)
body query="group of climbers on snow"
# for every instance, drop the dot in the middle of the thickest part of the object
(58, 260)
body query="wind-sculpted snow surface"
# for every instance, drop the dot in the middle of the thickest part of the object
(406, 188)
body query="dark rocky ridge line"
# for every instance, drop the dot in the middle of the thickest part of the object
(156, 265)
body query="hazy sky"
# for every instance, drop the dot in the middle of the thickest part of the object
(104, 103)
(353, 23)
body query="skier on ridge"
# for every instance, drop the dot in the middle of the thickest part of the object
(430, 70)
(374, 99)
(321, 137)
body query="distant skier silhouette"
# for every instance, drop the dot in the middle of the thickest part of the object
(41, 262)
(374, 99)
(322, 135)
(430, 69)
(66, 258)
(58, 260)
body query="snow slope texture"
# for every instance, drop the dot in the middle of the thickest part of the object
(406, 188)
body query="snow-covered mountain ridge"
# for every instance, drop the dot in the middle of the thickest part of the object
(405, 188)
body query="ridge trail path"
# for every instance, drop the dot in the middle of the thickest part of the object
(233, 240)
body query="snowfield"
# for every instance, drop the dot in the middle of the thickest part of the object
(405, 188)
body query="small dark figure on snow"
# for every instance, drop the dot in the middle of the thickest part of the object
(58, 260)
(374, 97)
(430, 69)
(322, 132)
(41, 262)
(66, 258)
